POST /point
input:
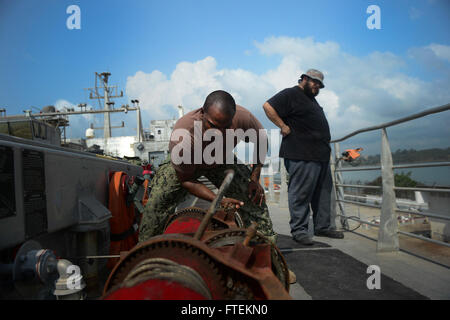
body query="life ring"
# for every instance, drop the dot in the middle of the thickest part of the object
(123, 223)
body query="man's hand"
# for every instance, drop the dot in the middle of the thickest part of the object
(285, 130)
(201, 191)
(231, 203)
(255, 192)
(275, 118)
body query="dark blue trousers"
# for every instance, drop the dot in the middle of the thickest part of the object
(309, 183)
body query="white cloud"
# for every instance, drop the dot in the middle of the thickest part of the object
(434, 57)
(441, 51)
(78, 123)
(63, 105)
(305, 50)
(399, 87)
(359, 91)
(188, 85)
(354, 109)
(329, 100)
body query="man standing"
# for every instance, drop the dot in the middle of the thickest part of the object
(175, 179)
(306, 151)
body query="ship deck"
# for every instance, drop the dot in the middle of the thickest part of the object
(337, 269)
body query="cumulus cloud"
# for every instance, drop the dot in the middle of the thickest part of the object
(359, 90)
(64, 105)
(78, 123)
(441, 51)
(188, 85)
(434, 57)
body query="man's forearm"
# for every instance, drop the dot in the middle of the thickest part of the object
(273, 115)
(256, 172)
(199, 190)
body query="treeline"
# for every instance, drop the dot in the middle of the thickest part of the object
(408, 156)
(400, 180)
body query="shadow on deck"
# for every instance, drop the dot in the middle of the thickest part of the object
(337, 269)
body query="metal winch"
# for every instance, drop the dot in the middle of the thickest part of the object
(202, 255)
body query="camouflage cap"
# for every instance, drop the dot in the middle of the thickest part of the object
(316, 75)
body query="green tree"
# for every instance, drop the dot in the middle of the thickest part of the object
(400, 180)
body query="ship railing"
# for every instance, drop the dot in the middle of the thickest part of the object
(388, 232)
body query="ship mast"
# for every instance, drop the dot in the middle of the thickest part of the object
(109, 92)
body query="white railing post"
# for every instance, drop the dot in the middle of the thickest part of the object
(284, 187)
(339, 191)
(271, 187)
(333, 193)
(387, 233)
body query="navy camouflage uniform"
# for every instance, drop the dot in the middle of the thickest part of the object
(167, 193)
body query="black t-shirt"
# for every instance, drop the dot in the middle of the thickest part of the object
(310, 134)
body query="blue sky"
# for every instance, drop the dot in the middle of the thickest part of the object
(175, 52)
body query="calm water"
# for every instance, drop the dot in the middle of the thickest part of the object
(429, 176)
(439, 176)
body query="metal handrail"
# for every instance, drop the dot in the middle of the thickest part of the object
(408, 234)
(358, 169)
(418, 213)
(357, 186)
(392, 123)
(400, 166)
(359, 203)
(425, 214)
(388, 232)
(360, 221)
(421, 165)
(422, 189)
(356, 196)
(395, 188)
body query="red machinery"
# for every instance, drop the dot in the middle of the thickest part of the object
(202, 255)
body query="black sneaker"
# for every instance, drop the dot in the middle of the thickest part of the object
(303, 239)
(330, 234)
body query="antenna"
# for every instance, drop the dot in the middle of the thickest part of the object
(109, 92)
(139, 127)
